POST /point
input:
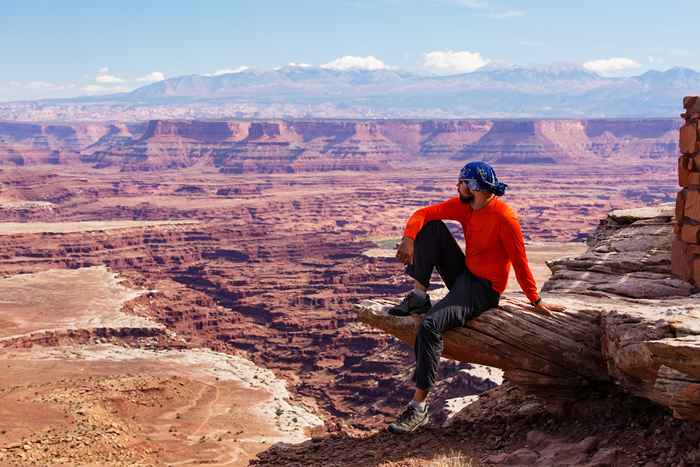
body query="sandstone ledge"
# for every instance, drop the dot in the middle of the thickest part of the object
(649, 349)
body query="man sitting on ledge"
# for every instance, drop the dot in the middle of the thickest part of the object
(493, 241)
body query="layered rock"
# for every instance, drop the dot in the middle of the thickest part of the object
(641, 140)
(41, 143)
(650, 347)
(445, 138)
(629, 255)
(577, 141)
(284, 146)
(515, 142)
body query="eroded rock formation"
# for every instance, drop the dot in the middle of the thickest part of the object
(284, 146)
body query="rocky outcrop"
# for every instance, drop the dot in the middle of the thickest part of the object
(496, 338)
(629, 255)
(628, 322)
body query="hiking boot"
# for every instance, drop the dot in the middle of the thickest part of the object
(411, 304)
(410, 420)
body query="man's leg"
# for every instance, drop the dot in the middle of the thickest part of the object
(434, 247)
(468, 297)
(429, 343)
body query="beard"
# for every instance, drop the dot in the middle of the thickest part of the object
(466, 199)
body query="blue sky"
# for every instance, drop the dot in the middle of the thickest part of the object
(70, 47)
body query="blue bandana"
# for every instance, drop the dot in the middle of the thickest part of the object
(482, 177)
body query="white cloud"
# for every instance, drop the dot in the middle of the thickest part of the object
(107, 79)
(350, 62)
(228, 71)
(93, 88)
(151, 77)
(448, 61)
(475, 4)
(98, 89)
(104, 77)
(293, 65)
(506, 14)
(611, 66)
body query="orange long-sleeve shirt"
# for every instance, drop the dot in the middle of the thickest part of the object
(493, 240)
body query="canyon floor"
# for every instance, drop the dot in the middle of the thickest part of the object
(190, 317)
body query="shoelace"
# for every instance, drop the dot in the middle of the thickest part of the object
(406, 299)
(406, 414)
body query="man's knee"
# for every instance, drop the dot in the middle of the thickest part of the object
(428, 329)
(433, 228)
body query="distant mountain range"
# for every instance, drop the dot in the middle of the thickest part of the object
(303, 92)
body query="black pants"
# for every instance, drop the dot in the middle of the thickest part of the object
(468, 296)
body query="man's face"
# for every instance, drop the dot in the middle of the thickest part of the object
(465, 194)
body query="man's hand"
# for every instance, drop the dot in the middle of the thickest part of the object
(405, 251)
(547, 309)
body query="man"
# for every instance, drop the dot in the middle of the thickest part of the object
(493, 241)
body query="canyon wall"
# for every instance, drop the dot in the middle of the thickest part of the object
(279, 146)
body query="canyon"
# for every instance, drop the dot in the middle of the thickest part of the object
(160, 261)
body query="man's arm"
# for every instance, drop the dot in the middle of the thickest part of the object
(451, 209)
(512, 239)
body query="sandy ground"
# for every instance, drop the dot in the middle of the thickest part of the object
(13, 228)
(106, 404)
(21, 204)
(60, 299)
(186, 407)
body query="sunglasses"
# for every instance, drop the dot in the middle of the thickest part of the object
(470, 183)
